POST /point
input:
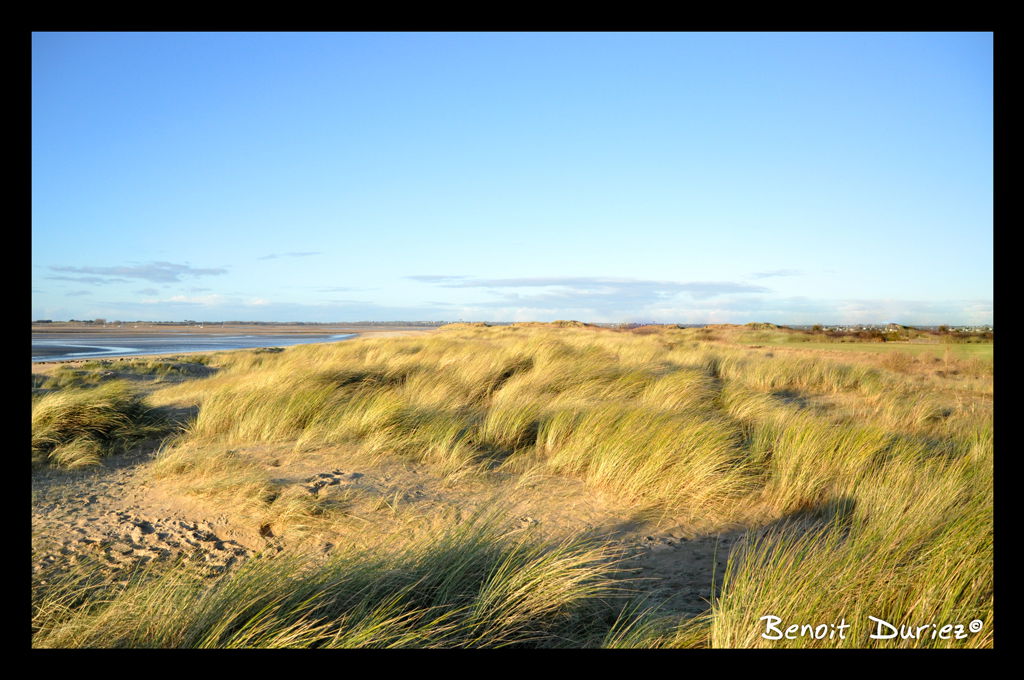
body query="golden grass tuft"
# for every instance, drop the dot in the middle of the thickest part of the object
(77, 427)
(470, 585)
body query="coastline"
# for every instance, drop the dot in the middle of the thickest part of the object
(329, 334)
(61, 328)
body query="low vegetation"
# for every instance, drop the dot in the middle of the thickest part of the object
(75, 428)
(469, 586)
(862, 483)
(93, 373)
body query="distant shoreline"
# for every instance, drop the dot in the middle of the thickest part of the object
(70, 345)
(220, 329)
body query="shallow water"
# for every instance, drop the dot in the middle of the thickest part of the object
(59, 346)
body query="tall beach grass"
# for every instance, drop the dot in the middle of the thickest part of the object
(863, 486)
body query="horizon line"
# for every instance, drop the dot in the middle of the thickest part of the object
(450, 321)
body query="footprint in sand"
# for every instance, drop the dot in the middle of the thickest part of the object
(320, 482)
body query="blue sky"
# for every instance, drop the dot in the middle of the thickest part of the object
(669, 177)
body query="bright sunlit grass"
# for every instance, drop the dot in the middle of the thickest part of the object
(866, 488)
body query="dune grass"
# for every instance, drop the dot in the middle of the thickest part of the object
(468, 586)
(75, 428)
(865, 487)
(912, 546)
(101, 371)
(958, 350)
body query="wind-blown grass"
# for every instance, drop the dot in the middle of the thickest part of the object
(865, 484)
(915, 550)
(93, 373)
(76, 428)
(471, 586)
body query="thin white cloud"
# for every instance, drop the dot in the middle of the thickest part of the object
(213, 299)
(776, 272)
(89, 280)
(158, 272)
(587, 291)
(435, 278)
(735, 308)
(274, 256)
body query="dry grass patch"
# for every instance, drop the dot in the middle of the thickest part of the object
(77, 427)
(865, 480)
(468, 586)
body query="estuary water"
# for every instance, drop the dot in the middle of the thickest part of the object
(60, 346)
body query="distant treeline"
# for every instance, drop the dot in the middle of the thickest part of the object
(902, 333)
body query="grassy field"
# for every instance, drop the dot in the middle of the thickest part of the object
(956, 350)
(857, 485)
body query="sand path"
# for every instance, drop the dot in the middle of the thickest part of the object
(117, 515)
